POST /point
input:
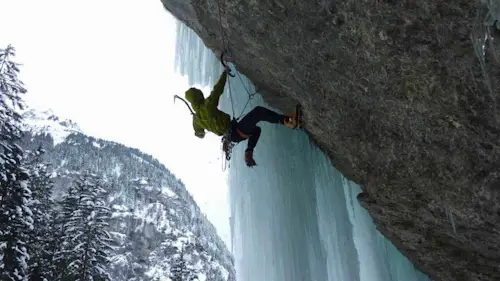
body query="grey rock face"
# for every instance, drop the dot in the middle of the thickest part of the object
(394, 93)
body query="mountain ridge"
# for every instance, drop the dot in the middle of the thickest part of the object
(153, 213)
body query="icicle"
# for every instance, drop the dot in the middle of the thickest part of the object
(193, 59)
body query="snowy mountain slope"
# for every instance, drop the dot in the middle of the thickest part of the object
(155, 219)
(45, 122)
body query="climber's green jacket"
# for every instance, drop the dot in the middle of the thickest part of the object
(207, 116)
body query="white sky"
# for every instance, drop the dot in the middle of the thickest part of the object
(109, 66)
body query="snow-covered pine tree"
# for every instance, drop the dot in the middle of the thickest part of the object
(180, 271)
(15, 215)
(61, 246)
(86, 241)
(40, 244)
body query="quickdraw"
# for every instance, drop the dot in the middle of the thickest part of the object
(227, 146)
(227, 143)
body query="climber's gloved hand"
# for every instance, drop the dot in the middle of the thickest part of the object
(249, 158)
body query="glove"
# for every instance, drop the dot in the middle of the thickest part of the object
(249, 158)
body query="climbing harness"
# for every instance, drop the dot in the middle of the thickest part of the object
(227, 144)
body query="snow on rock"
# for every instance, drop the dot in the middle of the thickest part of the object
(154, 217)
(96, 144)
(119, 237)
(168, 192)
(44, 122)
(119, 260)
(202, 277)
(117, 170)
(140, 159)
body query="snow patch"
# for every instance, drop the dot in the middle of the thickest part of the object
(157, 273)
(117, 170)
(223, 271)
(119, 237)
(120, 211)
(40, 122)
(168, 192)
(120, 260)
(138, 158)
(153, 214)
(202, 276)
(141, 180)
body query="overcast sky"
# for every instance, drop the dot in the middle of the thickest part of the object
(109, 66)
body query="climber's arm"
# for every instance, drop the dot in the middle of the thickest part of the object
(213, 100)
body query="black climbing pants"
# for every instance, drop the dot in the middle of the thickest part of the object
(248, 125)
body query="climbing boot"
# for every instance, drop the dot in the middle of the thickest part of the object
(292, 121)
(249, 158)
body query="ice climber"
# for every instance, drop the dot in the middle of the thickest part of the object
(208, 117)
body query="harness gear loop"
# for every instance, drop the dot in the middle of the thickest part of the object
(227, 146)
(227, 143)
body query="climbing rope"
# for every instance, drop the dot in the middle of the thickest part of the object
(223, 162)
(224, 45)
(250, 96)
(226, 143)
(221, 28)
(229, 85)
(226, 48)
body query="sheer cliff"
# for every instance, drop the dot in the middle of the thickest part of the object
(403, 98)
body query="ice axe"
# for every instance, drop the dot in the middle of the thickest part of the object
(176, 96)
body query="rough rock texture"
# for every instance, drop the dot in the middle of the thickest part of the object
(394, 94)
